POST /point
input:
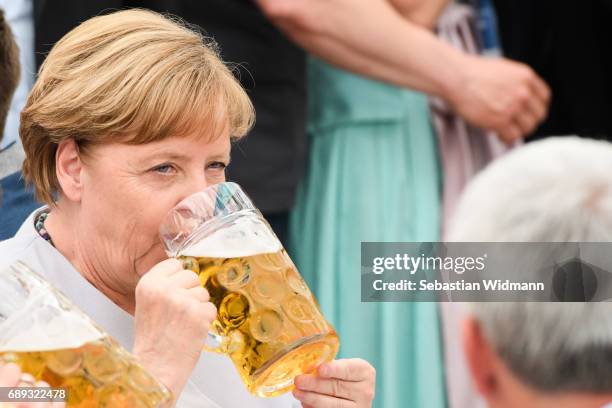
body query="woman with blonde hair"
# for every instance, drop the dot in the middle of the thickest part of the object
(131, 113)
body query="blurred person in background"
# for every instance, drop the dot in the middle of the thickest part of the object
(372, 175)
(540, 354)
(20, 18)
(15, 201)
(9, 74)
(534, 355)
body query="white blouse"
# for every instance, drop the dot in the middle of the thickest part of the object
(214, 382)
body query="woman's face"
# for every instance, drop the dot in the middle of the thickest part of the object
(128, 189)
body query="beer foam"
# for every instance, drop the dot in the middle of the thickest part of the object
(64, 330)
(246, 236)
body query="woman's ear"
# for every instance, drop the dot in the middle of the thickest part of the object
(68, 168)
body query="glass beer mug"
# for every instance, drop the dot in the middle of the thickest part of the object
(49, 338)
(268, 322)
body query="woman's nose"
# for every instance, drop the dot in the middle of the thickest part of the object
(198, 183)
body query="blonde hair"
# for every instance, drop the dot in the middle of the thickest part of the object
(132, 76)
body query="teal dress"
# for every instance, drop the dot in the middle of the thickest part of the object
(373, 175)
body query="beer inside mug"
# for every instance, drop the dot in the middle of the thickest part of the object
(268, 322)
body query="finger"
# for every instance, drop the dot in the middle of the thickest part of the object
(41, 384)
(185, 279)
(199, 293)
(206, 311)
(351, 369)
(541, 88)
(167, 267)
(9, 375)
(322, 401)
(211, 311)
(173, 266)
(525, 121)
(510, 134)
(538, 108)
(327, 386)
(26, 380)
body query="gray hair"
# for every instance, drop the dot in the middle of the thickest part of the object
(557, 190)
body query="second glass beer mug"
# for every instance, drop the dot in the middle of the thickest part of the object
(51, 339)
(268, 322)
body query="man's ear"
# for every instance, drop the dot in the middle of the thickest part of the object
(68, 168)
(481, 359)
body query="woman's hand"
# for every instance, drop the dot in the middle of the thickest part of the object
(346, 383)
(11, 376)
(172, 317)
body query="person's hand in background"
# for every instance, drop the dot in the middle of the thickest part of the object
(346, 383)
(500, 95)
(11, 376)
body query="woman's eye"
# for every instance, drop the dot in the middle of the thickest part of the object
(163, 169)
(217, 165)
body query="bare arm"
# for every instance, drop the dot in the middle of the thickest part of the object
(371, 38)
(368, 37)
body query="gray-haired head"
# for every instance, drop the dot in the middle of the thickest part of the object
(557, 190)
